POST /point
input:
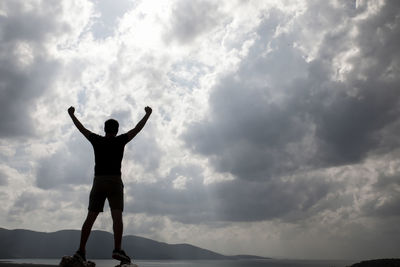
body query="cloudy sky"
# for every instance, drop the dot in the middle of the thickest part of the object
(275, 126)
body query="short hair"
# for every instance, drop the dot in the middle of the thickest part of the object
(111, 126)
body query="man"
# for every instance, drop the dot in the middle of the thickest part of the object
(107, 184)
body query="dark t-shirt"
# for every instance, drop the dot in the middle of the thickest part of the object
(108, 153)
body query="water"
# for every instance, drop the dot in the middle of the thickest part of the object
(207, 263)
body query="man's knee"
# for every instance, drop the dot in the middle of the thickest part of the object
(116, 215)
(91, 216)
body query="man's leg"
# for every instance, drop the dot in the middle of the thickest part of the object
(118, 253)
(116, 201)
(117, 227)
(87, 228)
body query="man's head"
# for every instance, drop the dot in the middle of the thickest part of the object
(111, 127)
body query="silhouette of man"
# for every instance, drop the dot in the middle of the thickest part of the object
(107, 183)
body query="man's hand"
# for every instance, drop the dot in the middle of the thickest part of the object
(71, 110)
(148, 110)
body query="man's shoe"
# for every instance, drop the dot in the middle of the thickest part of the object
(80, 255)
(121, 256)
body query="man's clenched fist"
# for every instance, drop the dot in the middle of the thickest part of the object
(71, 110)
(148, 110)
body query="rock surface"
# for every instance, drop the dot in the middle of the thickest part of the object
(127, 265)
(68, 261)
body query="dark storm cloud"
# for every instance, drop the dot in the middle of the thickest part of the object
(26, 32)
(262, 115)
(191, 19)
(357, 111)
(18, 91)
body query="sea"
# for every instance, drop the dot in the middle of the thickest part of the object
(206, 263)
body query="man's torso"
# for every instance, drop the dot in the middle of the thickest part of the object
(108, 153)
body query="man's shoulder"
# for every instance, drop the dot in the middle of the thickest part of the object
(123, 137)
(93, 137)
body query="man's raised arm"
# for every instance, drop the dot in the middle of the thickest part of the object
(77, 123)
(132, 133)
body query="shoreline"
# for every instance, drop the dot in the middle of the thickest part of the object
(7, 263)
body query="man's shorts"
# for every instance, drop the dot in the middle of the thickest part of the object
(106, 187)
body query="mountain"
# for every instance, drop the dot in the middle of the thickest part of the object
(31, 244)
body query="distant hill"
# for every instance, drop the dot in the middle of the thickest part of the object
(378, 263)
(31, 244)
